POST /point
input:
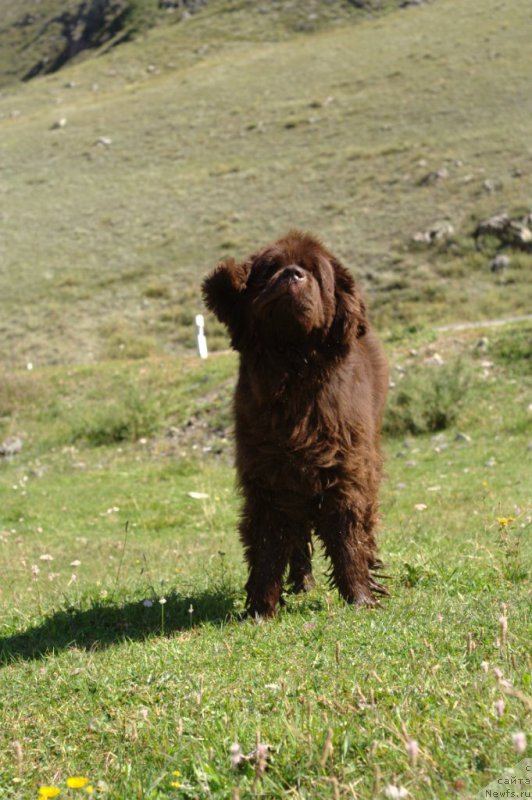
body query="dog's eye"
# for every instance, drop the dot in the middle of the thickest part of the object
(262, 272)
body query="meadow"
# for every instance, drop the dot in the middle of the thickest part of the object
(125, 658)
(127, 668)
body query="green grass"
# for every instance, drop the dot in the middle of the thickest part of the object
(96, 683)
(232, 127)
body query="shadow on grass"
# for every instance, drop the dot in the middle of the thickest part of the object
(104, 623)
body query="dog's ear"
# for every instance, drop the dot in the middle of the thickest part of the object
(223, 291)
(350, 320)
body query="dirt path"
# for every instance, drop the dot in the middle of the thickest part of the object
(483, 323)
(453, 326)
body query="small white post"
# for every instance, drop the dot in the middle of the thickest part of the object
(201, 339)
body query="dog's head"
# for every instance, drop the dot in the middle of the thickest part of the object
(293, 293)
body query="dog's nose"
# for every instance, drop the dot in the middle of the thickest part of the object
(293, 273)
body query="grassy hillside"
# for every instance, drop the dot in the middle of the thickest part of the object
(38, 37)
(123, 659)
(209, 137)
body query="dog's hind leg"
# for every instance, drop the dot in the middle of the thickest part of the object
(300, 577)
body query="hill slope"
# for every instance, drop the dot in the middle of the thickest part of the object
(40, 36)
(200, 141)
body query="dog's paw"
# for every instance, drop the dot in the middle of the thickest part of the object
(306, 584)
(367, 594)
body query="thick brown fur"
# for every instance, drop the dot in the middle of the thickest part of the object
(308, 408)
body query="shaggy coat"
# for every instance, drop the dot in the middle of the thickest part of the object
(308, 408)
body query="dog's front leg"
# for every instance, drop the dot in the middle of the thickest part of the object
(266, 536)
(341, 530)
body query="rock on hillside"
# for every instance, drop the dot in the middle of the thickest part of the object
(82, 26)
(39, 37)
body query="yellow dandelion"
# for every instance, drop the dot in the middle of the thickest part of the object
(176, 773)
(175, 784)
(77, 782)
(89, 789)
(49, 791)
(504, 521)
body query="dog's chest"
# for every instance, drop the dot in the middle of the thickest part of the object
(289, 448)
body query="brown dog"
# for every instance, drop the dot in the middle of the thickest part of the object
(308, 407)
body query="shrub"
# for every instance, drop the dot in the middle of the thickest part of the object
(124, 419)
(16, 390)
(513, 348)
(427, 399)
(138, 16)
